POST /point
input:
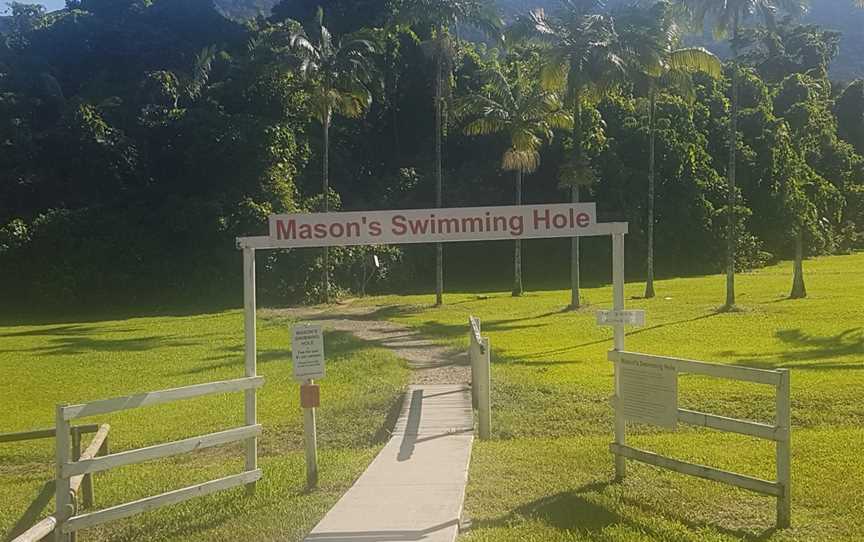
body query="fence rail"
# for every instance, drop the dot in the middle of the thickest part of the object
(149, 503)
(44, 433)
(779, 432)
(72, 469)
(106, 406)
(80, 483)
(38, 531)
(480, 354)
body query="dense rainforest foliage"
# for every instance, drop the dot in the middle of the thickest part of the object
(839, 15)
(138, 138)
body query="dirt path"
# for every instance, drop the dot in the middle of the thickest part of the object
(431, 363)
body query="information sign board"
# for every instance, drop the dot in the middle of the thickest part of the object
(307, 351)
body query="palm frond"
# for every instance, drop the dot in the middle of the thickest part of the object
(485, 126)
(560, 119)
(697, 59)
(681, 81)
(554, 71)
(526, 161)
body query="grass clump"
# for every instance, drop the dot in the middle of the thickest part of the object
(43, 365)
(546, 474)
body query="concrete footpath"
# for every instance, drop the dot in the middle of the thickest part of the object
(415, 488)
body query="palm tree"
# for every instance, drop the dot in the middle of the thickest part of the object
(526, 114)
(729, 14)
(658, 64)
(442, 16)
(337, 74)
(583, 57)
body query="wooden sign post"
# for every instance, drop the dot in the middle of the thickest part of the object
(307, 353)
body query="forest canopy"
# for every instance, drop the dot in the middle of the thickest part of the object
(138, 138)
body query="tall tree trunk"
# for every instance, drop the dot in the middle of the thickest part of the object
(575, 301)
(799, 291)
(731, 234)
(326, 191)
(391, 80)
(517, 253)
(649, 283)
(439, 248)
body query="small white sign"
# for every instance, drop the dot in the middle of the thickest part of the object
(629, 317)
(307, 351)
(649, 392)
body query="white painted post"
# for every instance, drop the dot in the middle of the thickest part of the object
(474, 356)
(310, 439)
(784, 451)
(618, 305)
(249, 304)
(63, 486)
(483, 384)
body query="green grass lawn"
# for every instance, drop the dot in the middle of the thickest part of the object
(75, 362)
(546, 474)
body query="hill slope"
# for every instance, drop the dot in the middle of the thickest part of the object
(837, 15)
(834, 14)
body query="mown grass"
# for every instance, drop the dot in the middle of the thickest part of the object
(75, 362)
(546, 474)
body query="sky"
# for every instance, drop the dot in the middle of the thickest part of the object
(50, 5)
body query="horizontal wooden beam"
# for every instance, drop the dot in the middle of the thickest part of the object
(732, 425)
(264, 242)
(44, 433)
(120, 511)
(734, 372)
(105, 406)
(260, 241)
(150, 453)
(38, 531)
(709, 473)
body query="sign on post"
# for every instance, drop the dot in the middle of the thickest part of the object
(434, 225)
(307, 352)
(649, 393)
(627, 317)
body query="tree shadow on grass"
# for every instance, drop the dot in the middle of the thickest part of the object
(76, 339)
(809, 349)
(577, 511)
(66, 330)
(74, 345)
(33, 513)
(40, 316)
(740, 534)
(568, 510)
(524, 358)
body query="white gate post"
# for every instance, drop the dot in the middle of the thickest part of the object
(63, 488)
(784, 452)
(483, 384)
(618, 305)
(251, 416)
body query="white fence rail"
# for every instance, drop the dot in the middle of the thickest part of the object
(779, 432)
(480, 354)
(70, 469)
(77, 484)
(38, 531)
